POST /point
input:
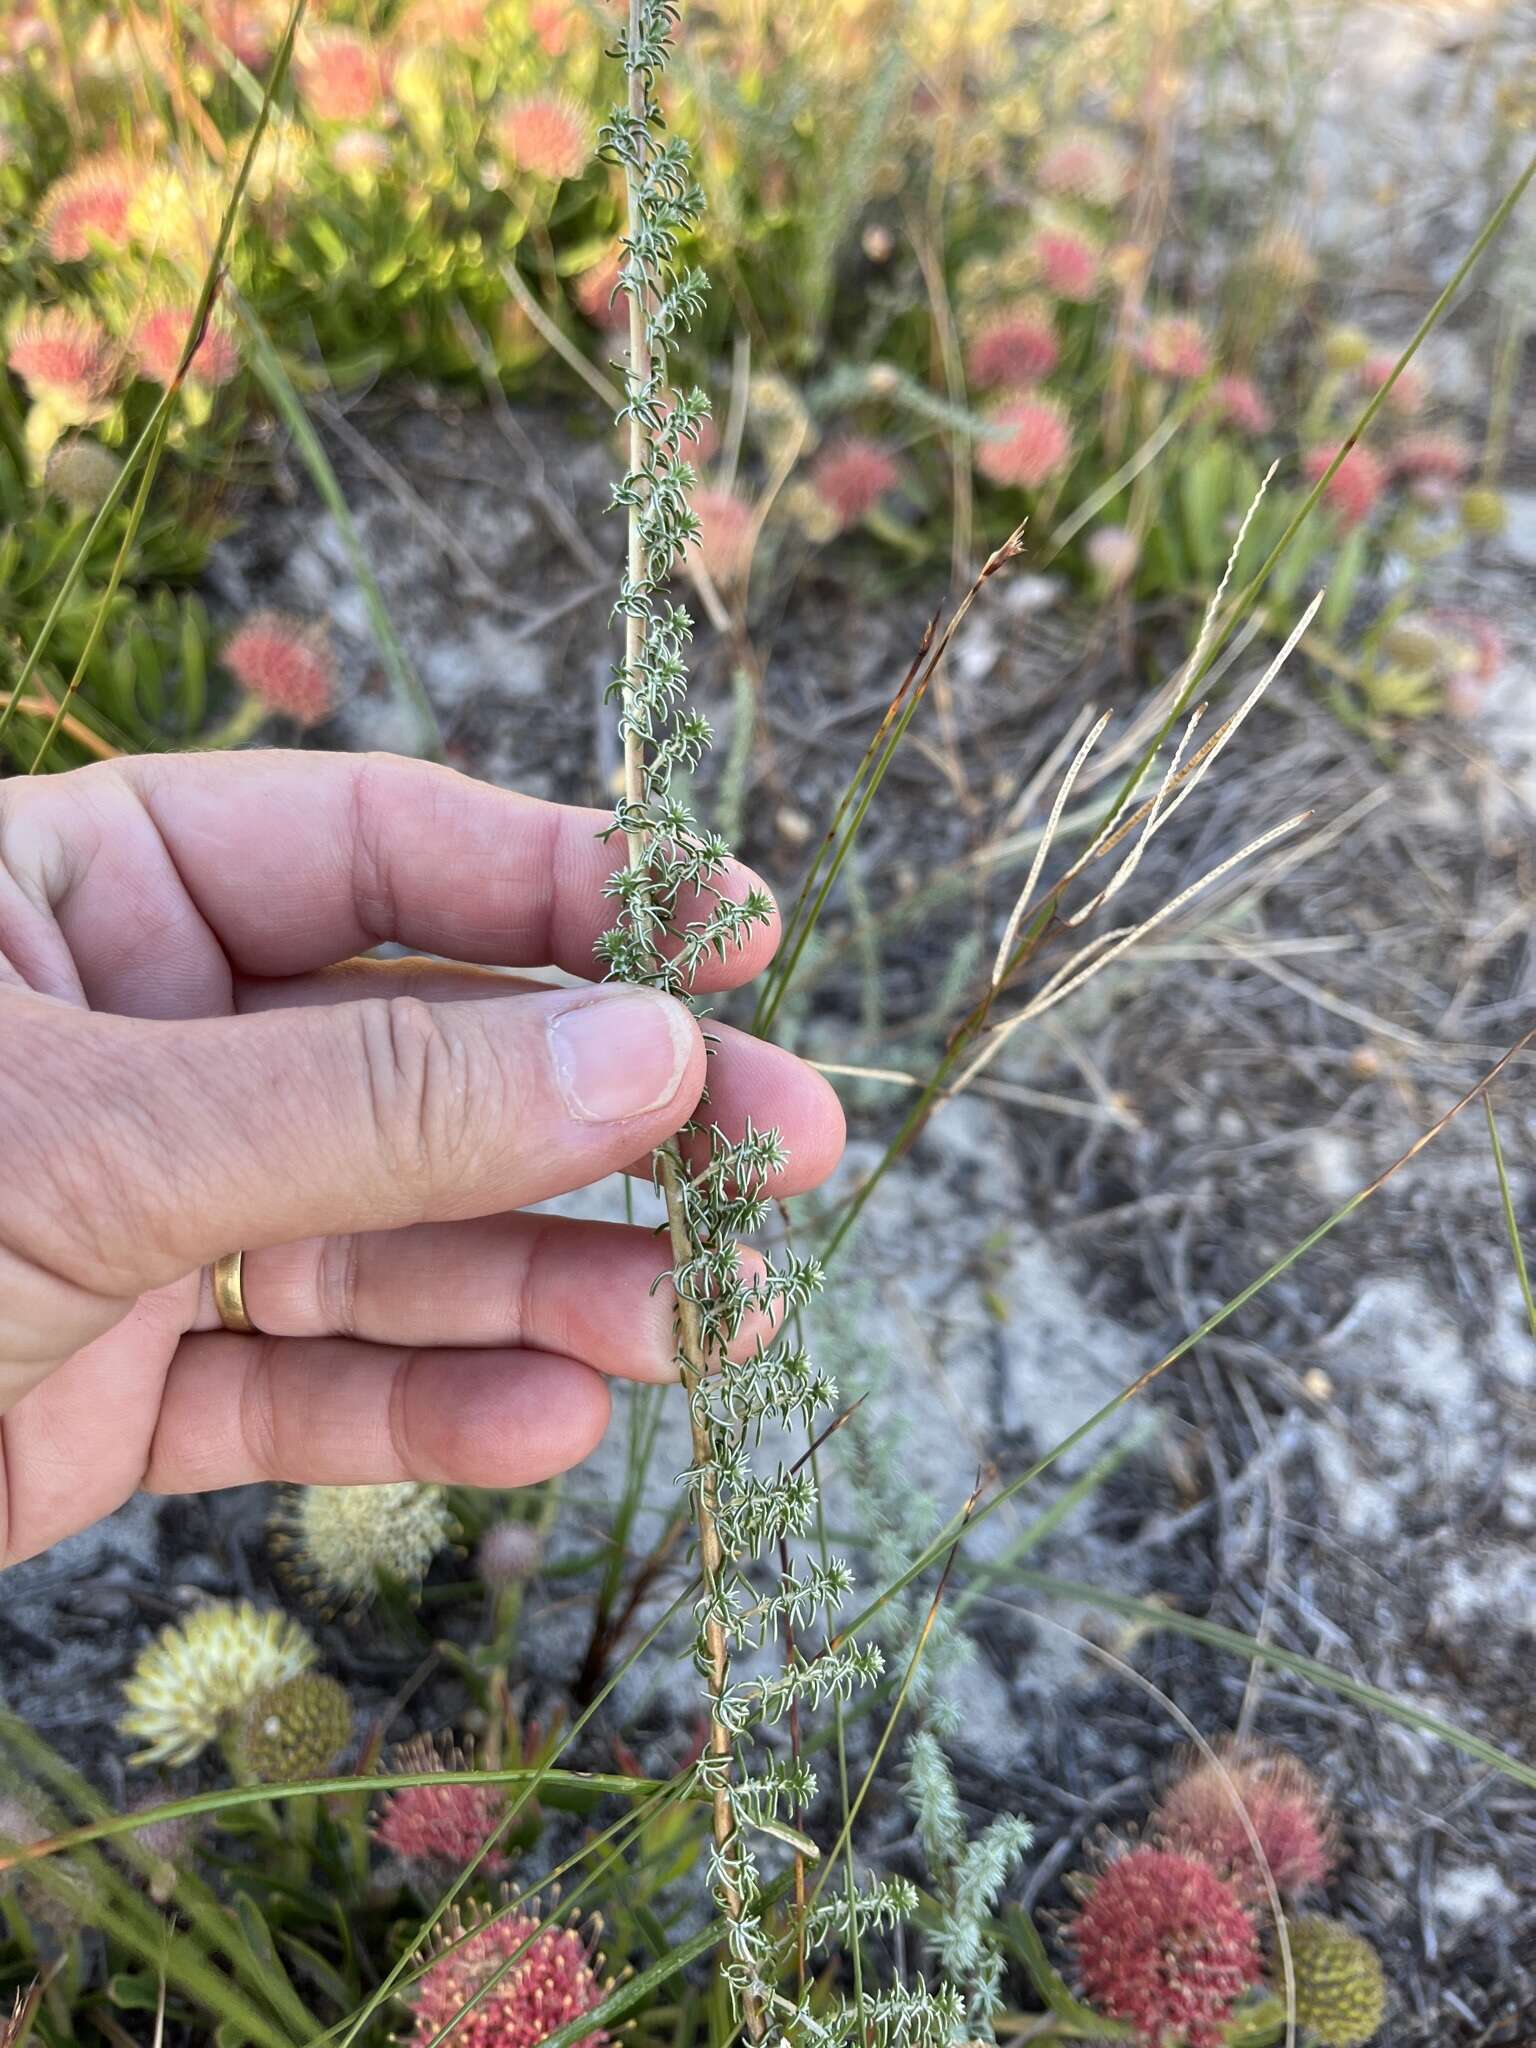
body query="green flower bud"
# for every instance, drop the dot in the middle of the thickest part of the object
(1483, 512)
(295, 1730)
(1341, 1989)
(1346, 348)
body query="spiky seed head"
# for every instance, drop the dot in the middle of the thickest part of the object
(851, 476)
(81, 473)
(1175, 348)
(339, 1541)
(1355, 488)
(509, 1553)
(295, 1730)
(552, 1983)
(439, 1826)
(1341, 1988)
(1203, 1815)
(1281, 257)
(1166, 1945)
(160, 337)
(1013, 349)
(1069, 262)
(198, 1676)
(1484, 513)
(809, 510)
(777, 414)
(342, 76)
(1432, 464)
(86, 211)
(1113, 554)
(724, 544)
(1034, 446)
(1085, 166)
(287, 665)
(66, 361)
(547, 135)
(1238, 403)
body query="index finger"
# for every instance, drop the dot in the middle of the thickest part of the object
(296, 860)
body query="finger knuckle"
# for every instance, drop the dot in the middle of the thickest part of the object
(429, 1082)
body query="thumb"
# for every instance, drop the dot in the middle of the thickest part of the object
(136, 1151)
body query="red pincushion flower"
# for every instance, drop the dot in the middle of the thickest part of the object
(160, 337)
(1164, 1944)
(851, 476)
(1175, 348)
(1407, 395)
(1086, 167)
(1284, 1807)
(1069, 263)
(1013, 350)
(1037, 447)
(1355, 487)
(724, 545)
(246, 31)
(342, 76)
(441, 1824)
(551, 1983)
(1431, 457)
(285, 663)
(596, 292)
(548, 136)
(65, 359)
(460, 22)
(88, 206)
(1239, 403)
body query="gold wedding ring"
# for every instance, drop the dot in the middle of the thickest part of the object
(229, 1292)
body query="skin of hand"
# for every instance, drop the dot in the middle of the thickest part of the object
(197, 1061)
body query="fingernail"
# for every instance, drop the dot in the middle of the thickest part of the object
(619, 1056)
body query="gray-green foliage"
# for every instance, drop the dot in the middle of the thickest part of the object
(672, 918)
(968, 1875)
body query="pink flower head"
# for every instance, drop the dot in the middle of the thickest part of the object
(246, 31)
(1238, 403)
(1407, 396)
(459, 22)
(1432, 459)
(65, 359)
(851, 476)
(1175, 348)
(342, 76)
(548, 136)
(1084, 166)
(596, 292)
(1013, 350)
(552, 22)
(160, 337)
(1201, 1817)
(440, 1825)
(284, 663)
(1070, 263)
(724, 545)
(86, 208)
(1036, 444)
(1166, 1945)
(1355, 487)
(551, 1983)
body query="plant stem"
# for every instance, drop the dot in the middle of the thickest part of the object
(692, 1352)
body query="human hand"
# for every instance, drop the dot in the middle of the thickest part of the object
(194, 1063)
